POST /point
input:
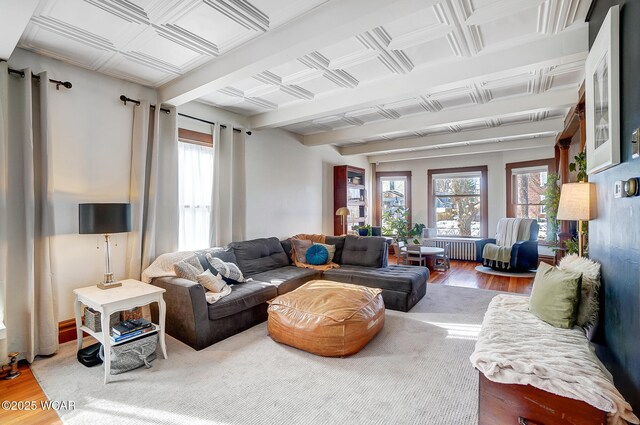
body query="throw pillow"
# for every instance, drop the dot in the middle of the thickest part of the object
(331, 249)
(300, 247)
(555, 296)
(589, 300)
(211, 282)
(188, 268)
(229, 271)
(316, 255)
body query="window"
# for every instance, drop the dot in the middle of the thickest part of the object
(393, 192)
(458, 201)
(195, 166)
(526, 185)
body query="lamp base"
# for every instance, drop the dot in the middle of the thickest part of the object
(103, 285)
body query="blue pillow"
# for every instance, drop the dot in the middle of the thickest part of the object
(317, 255)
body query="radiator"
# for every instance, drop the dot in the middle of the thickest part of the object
(459, 249)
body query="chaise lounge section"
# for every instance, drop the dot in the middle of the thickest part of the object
(363, 261)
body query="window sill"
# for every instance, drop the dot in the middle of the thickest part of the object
(455, 238)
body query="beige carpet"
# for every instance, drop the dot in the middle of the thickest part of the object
(416, 370)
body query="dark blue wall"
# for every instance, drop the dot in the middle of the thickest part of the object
(614, 236)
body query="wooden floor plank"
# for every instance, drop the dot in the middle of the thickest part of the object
(26, 388)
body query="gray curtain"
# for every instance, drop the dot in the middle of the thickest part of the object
(26, 217)
(228, 197)
(153, 191)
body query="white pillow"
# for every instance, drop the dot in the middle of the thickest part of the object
(589, 299)
(331, 249)
(211, 282)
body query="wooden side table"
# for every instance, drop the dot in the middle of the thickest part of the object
(130, 295)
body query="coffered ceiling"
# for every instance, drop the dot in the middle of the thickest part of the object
(390, 79)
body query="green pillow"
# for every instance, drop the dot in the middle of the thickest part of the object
(555, 296)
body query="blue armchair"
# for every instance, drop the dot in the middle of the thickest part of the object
(515, 247)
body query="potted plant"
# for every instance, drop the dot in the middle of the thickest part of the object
(364, 230)
(396, 223)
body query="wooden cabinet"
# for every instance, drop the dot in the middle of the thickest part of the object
(349, 191)
(514, 404)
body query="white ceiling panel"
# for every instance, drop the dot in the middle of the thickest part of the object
(386, 63)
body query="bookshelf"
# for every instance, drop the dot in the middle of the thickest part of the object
(349, 191)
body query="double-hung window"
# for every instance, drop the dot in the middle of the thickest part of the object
(195, 165)
(458, 201)
(526, 185)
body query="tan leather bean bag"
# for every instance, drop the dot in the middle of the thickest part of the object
(327, 318)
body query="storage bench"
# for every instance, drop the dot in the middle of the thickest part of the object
(532, 373)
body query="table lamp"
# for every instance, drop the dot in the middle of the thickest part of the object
(577, 202)
(105, 219)
(343, 211)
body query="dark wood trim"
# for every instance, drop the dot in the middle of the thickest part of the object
(378, 199)
(551, 167)
(484, 197)
(67, 331)
(195, 137)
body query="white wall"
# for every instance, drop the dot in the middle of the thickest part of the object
(289, 185)
(495, 163)
(91, 156)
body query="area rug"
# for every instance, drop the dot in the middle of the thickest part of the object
(416, 370)
(489, 270)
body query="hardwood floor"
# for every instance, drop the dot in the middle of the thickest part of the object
(461, 273)
(23, 389)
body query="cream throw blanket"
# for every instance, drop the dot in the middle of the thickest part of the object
(163, 267)
(510, 231)
(515, 347)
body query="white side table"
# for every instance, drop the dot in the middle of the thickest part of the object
(131, 294)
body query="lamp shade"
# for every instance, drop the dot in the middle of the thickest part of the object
(577, 202)
(342, 211)
(104, 218)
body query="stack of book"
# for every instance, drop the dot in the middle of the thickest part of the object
(130, 329)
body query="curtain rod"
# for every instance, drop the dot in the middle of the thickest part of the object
(126, 99)
(58, 83)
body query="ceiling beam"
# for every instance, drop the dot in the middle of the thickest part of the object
(488, 134)
(542, 142)
(566, 47)
(495, 109)
(13, 20)
(323, 26)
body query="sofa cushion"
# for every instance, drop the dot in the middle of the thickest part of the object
(286, 246)
(242, 298)
(338, 241)
(364, 251)
(259, 255)
(292, 277)
(394, 278)
(300, 247)
(225, 255)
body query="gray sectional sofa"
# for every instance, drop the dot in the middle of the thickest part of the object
(363, 261)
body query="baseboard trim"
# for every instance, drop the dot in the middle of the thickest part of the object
(67, 331)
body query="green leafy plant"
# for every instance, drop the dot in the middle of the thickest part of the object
(580, 165)
(395, 222)
(551, 201)
(416, 231)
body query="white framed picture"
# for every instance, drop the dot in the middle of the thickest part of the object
(602, 96)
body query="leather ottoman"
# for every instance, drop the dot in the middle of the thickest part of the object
(327, 318)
